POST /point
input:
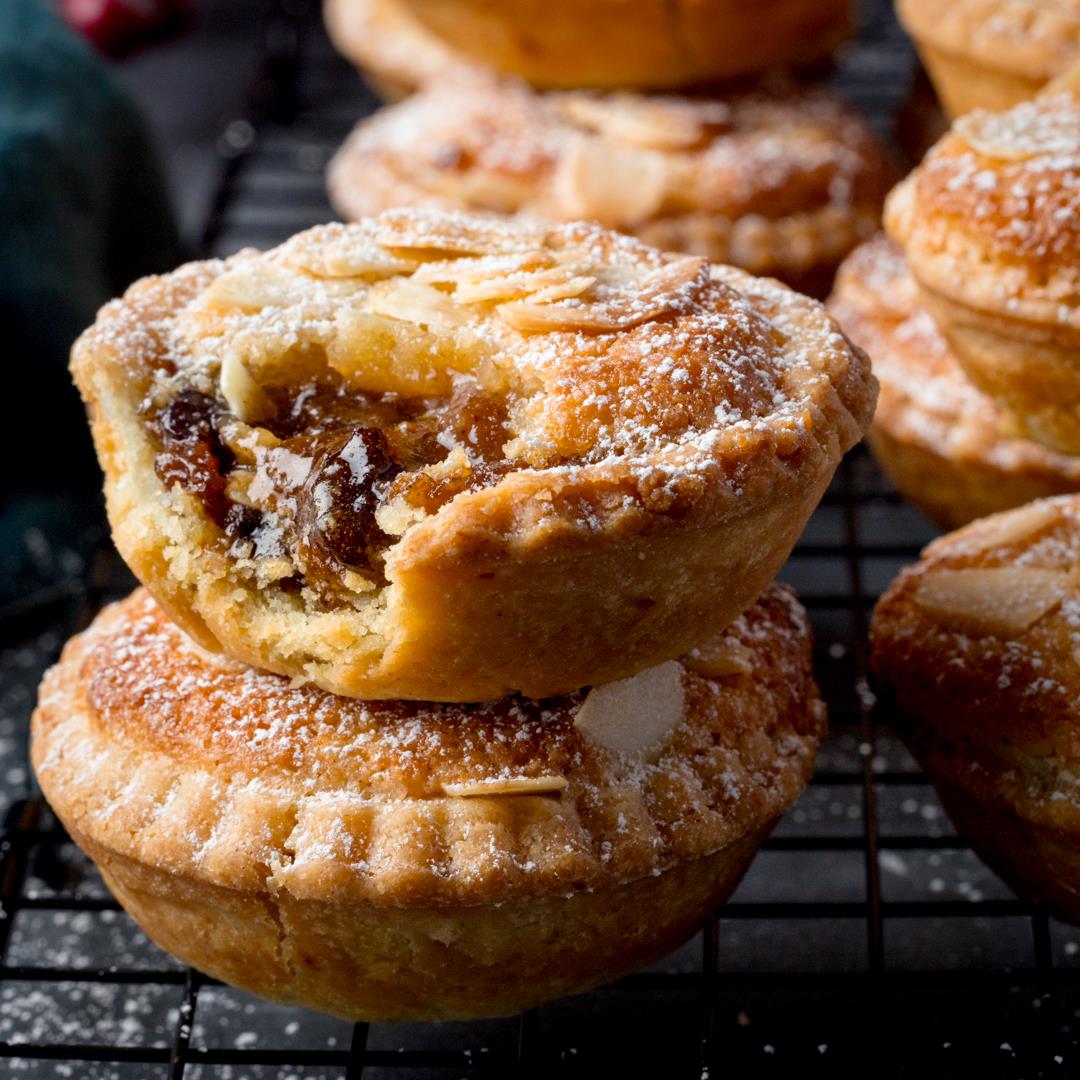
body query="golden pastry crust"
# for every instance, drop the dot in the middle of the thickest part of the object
(392, 50)
(647, 43)
(975, 648)
(782, 182)
(388, 459)
(992, 54)
(990, 226)
(311, 848)
(945, 445)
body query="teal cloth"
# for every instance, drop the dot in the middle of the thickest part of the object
(83, 212)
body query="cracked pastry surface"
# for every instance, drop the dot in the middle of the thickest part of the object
(992, 54)
(643, 44)
(990, 226)
(782, 181)
(392, 860)
(395, 53)
(975, 650)
(439, 457)
(947, 447)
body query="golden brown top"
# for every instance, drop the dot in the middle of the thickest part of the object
(925, 397)
(220, 771)
(977, 644)
(1035, 38)
(323, 398)
(992, 216)
(476, 142)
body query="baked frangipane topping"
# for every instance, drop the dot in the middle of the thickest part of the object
(993, 213)
(320, 399)
(635, 162)
(925, 397)
(238, 777)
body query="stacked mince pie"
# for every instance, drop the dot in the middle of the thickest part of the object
(457, 681)
(971, 312)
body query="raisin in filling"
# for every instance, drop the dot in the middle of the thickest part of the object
(340, 455)
(193, 454)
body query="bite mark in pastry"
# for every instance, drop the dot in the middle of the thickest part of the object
(975, 651)
(439, 457)
(396, 860)
(782, 181)
(948, 448)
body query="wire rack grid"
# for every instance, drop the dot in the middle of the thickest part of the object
(865, 936)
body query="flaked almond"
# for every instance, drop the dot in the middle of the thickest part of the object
(647, 122)
(245, 398)
(655, 293)
(472, 271)
(1050, 127)
(1002, 530)
(447, 232)
(514, 785)
(413, 301)
(1002, 600)
(558, 283)
(634, 715)
(722, 656)
(610, 184)
(347, 255)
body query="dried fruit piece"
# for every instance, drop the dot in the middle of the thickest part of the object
(611, 184)
(634, 715)
(1002, 600)
(514, 785)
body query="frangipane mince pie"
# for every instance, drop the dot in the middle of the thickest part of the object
(782, 181)
(976, 650)
(990, 226)
(440, 457)
(947, 447)
(396, 860)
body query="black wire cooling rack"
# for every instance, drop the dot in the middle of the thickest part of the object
(865, 940)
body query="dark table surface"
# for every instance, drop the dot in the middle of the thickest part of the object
(866, 938)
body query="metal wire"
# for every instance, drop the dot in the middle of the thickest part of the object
(300, 107)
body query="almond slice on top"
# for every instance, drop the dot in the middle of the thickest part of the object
(634, 715)
(513, 785)
(610, 184)
(1002, 600)
(655, 293)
